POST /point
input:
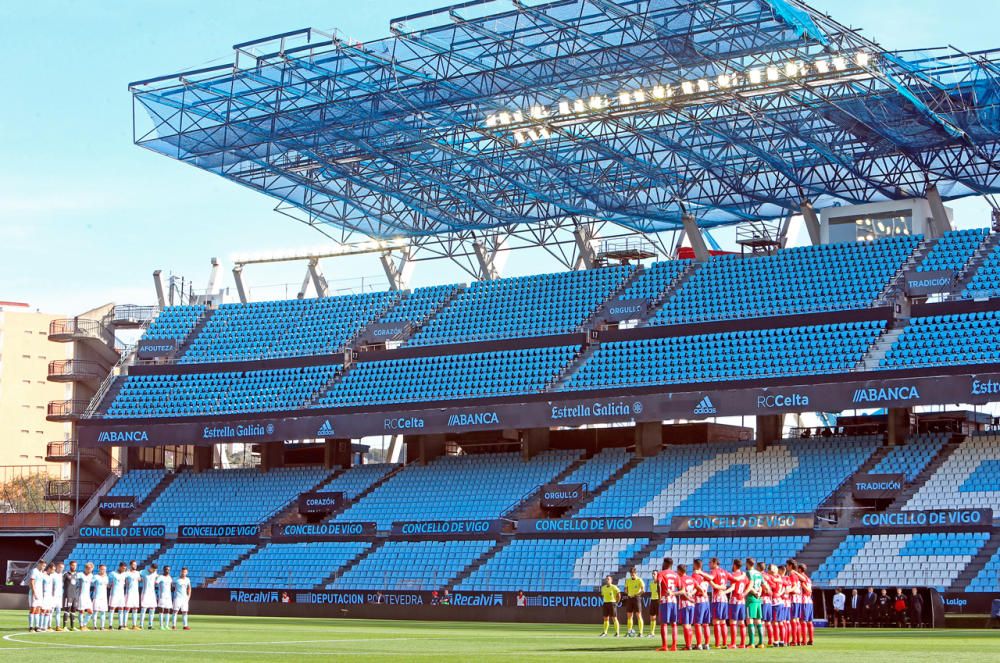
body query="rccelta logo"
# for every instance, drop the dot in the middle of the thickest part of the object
(985, 387)
(875, 394)
(403, 423)
(781, 400)
(705, 406)
(474, 419)
(113, 436)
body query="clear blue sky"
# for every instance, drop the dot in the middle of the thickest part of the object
(85, 216)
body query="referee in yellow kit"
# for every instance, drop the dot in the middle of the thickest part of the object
(611, 595)
(634, 589)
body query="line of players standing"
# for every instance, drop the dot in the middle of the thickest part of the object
(763, 599)
(57, 596)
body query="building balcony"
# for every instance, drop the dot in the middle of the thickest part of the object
(66, 410)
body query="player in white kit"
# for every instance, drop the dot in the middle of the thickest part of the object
(133, 580)
(48, 596)
(101, 582)
(117, 604)
(165, 602)
(182, 597)
(148, 599)
(86, 597)
(57, 597)
(35, 596)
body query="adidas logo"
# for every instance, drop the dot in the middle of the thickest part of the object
(705, 406)
(325, 430)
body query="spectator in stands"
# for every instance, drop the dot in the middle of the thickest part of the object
(854, 608)
(883, 608)
(870, 610)
(899, 607)
(839, 601)
(916, 609)
(522, 600)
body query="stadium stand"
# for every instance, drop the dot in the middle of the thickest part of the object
(447, 377)
(111, 553)
(900, 560)
(416, 306)
(727, 356)
(228, 497)
(654, 280)
(174, 323)
(520, 307)
(988, 578)
(458, 487)
(985, 283)
(137, 483)
(794, 476)
(203, 560)
(595, 471)
(285, 328)
(953, 250)
(946, 340)
(355, 480)
(911, 459)
(193, 394)
(968, 479)
(412, 565)
(552, 565)
(684, 550)
(806, 279)
(291, 565)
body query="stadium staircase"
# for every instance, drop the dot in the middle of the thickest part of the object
(433, 314)
(965, 277)
(194, 333)
(638, 557)
(670, 291)
(841, 498)
(164, 547)
(325, 388)
(108, 396)
(152, 497)
(821, 545)
(465, 573)
(977, 564)
(895, 284)
(221, 573)
(354, 342)
(597, 317)
(531, 505)
(364, 493)
(597, 490)
(290, 512)
(347, 567)
(911, 488)
(572, 367)
(876, 353)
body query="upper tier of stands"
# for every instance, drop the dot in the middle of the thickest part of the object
(800, 280)
(137, 483)
(953, 250)
(968, 479)
(900, 560)
(355, 480)
(192, 394)
(458, 487)
(411, 565)
(737, 355)
(228, 497)
(946, 340)
(911, 458)
(654, 281)
(174, 323)
(416, 306)
(445, 377)
(285, 328)
(794, 476)
(986, 281)
(525, 306)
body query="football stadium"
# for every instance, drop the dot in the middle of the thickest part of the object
(740, 394)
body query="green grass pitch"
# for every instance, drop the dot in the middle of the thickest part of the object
(263, 639)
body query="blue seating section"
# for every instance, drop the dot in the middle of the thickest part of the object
(110, 554)
(173, 323)
(525, 306)
(291, 565)
(412, 565)
(654, 281)
(685, 550)
(900, 560)
(357, 479)
(416, 306)
(552, 565)
(229, 497)
(911, 458)
(741, 355)
(985, 282)
(988, 578)
(953, 250)
(946, 340)
(447, 377)
(968, 479)
(203, 560)
(137, 483)
(458, 487)
(195, 394)
(285, 328)
(794, 476)
(599, 469)
(793, 281)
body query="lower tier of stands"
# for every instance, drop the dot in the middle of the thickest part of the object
(411, 565)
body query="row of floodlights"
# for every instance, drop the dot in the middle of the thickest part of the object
(570, 109)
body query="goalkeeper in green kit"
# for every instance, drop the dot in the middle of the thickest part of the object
(754, 609)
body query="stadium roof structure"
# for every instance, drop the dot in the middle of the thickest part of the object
(495, 113)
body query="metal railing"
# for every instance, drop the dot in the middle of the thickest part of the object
(71, 408)
(65, 489)
(78, 327)
(132, 314)
(69, 448)
(75, 367)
